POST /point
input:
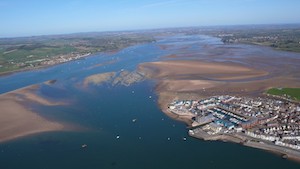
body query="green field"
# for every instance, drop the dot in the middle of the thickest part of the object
(279, 37)
(29, 52)
(290, 93)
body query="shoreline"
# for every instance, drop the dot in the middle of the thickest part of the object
(43, 66)
(180, 80)
(243, 140)
(284, 152)
(81, 57)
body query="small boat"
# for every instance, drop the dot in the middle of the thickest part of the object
(118, 137)
(83, 145)
(134, 120)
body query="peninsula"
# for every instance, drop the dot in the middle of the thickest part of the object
(264, 123)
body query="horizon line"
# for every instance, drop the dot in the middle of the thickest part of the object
(146, 29)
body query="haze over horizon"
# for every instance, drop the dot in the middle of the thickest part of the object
(33, 17)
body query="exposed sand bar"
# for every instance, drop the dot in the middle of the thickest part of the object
(192, 79)
(185, 79)
(17, 120)
(214, 78)
(185, 85)
(193, 76)
(199, 69)
(124, 78)
(98, 79)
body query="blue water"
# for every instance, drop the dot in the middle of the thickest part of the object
(105, 112)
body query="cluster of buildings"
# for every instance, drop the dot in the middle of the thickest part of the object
(51, 60)
(262, 119)
(64, 58)
(230, 38)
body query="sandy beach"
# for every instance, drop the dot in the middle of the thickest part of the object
(17, 120)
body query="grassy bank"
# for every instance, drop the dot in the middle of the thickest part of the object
(290, 93)
(25, 53)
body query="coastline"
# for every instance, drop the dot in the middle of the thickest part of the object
(238, 139)
(182, 81)
(247, 141)
(282, 151)
(79, 57)
(242, 139)
(43, 66)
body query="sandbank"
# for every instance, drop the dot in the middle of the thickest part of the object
(98, 79)
(187, 69)
(17, 120)
(123, 77)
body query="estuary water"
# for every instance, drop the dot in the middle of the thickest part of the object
(122, 126)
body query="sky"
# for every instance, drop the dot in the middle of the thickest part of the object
(42, 17)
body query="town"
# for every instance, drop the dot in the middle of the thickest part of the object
(261, 121)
